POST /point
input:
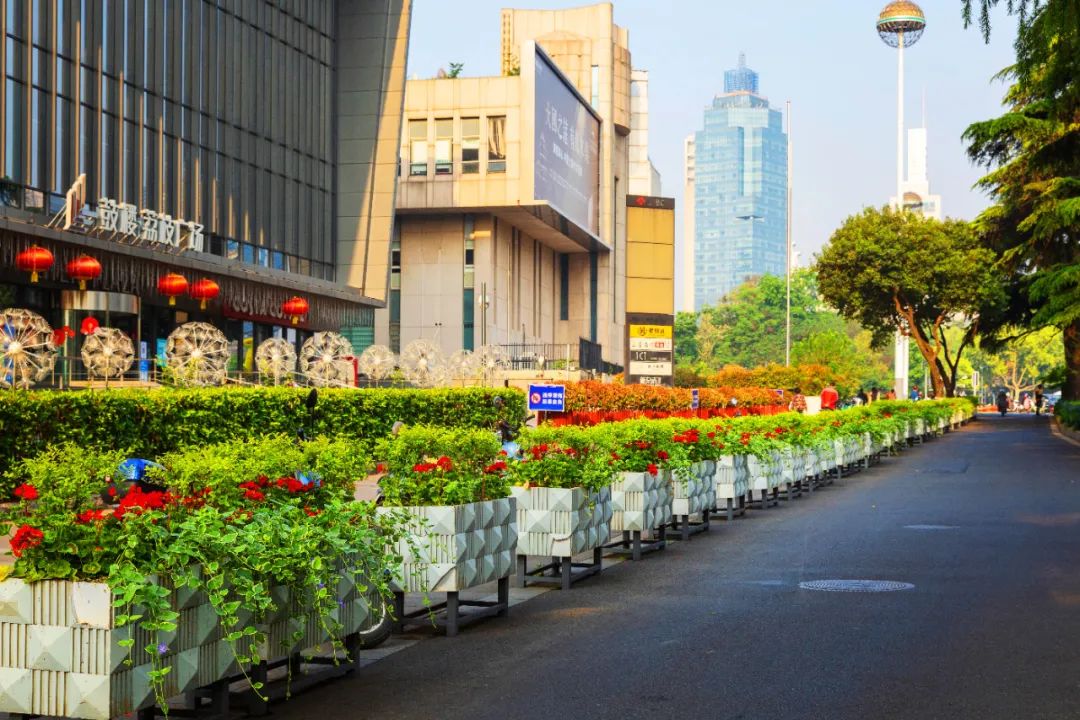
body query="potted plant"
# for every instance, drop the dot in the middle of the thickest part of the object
(563, 494)
(131, 594)
(463, 522)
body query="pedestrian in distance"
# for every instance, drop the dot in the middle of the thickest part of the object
(862, 397)
(798, 401)
(1038, 399)
(914, 394)
(1002, 402)
(875, 394)
(891, 395)
(829, 398)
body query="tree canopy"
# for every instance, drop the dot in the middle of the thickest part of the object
(896, 270)
(1032, 153)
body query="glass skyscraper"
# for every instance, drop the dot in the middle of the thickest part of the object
(739, 198)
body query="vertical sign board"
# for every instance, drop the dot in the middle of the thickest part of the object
(650, 349)
(695, 399)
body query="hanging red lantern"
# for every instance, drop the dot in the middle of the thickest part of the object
(34, 259)
(204, 291)
(172, 285)
(84, 268)
(295, 308)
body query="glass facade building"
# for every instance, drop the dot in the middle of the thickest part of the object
(265, 124)
(740, 190)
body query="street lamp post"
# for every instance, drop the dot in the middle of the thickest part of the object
(900, 24)
(787, 320)
(483, 301)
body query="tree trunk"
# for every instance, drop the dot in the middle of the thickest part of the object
(1071, 389)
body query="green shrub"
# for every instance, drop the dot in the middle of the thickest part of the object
(441, 466)
(151, 423)
(1068, 413)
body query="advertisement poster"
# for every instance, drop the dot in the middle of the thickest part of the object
(567, 152)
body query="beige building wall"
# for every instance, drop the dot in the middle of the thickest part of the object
(373, 43)
(594, 53)
(644, 177)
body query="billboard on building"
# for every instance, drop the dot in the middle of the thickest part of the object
(567, 148)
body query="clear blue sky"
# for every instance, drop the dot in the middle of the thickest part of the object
(824, 56)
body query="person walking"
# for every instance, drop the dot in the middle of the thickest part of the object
(914, 394)
(1038, 399)
(829, 398)
(798, 401)
(862, 397)
(1002, 402)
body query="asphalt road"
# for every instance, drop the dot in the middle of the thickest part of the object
(719, 628)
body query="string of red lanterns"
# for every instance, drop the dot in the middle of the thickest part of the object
(84, 268)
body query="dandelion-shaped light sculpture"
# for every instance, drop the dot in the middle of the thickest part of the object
(423, 363)
(377, 362)
(492, 360)
(197, 354)
(107, 353)
(322, 360)
(275, 358)
(27, 352)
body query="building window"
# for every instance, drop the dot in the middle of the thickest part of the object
(418, 147)
(468, 315)
(564, 286)
(444, 146)
(395, 293)
(496, 144)
(470, 146)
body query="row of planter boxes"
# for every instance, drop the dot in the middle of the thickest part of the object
(59, 646)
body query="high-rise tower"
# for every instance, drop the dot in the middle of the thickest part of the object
(738, 206)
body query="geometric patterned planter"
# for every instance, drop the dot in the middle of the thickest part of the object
(61, 655)
(766, 476)
(731, 482)
(693, 494)
(559, 523)
(640, 502)
(453, 548)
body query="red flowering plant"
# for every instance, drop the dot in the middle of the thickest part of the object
(231, 539)
(562, 458)
(441, 466)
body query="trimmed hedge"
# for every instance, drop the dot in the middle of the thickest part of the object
(150, 423)
(1068, 412)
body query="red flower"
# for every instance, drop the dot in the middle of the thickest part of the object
(504, 453)
(380, 468)
(887, 415)
(653, 470)
(295, 486)
(423, 467)
(255, 495)
(88, 516)
(662, 454)
(310, 512)
(711, 435)
(444, 464)
(497, 466)
(25, 537)
(26, 491)
(615, 455)
(112, 491)
(262, 481)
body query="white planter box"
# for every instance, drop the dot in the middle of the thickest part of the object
(764, 474)
(813, 404)
(696, 493)
(732, 479)
(558, 522)
(458, 546)
(61, 654)
(640, 502)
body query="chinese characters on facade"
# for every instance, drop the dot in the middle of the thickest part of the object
(149, 226)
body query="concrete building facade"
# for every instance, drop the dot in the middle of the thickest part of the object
(511, 208)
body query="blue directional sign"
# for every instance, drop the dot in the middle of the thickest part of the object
(695, 400)
(547, 398)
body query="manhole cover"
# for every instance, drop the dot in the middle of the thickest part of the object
(864, 586)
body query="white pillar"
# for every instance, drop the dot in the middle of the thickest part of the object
(900, 364)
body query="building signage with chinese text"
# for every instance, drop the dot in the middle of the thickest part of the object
(650, 349)
(547, 398)
(148, 226)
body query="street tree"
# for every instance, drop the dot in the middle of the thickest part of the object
(1032, 153)
(1021, 364)
(895, 270)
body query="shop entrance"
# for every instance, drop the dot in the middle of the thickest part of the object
(115, 310)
